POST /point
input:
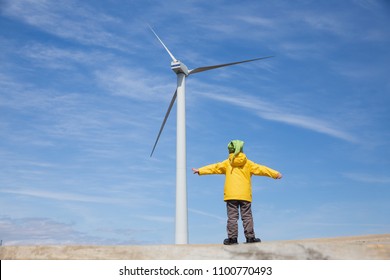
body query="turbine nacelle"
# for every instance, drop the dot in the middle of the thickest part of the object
(179, 67)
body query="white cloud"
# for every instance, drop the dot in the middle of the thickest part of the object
(41, 231)
(135, 84)
(271, 112)
(368, 178)
(324, 22)
(159, 219)
(207, 214)
(63, 196)
(44, 231)
(53, 57)
(258, 21)
(371, 5)
(70, 20)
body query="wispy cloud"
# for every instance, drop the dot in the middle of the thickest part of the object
(159, 219)
(269, 111)
(258, 21)
(38, 231)
(372, 70)
(53, 57)
(368, 4)
(70, 20)
(324, 22)
(45, 231)
(368, 178)
(207, 214)
(63, 196)
(135, 84)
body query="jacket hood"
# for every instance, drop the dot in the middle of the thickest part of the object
(237, 160)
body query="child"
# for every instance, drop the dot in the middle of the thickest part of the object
(238, 189)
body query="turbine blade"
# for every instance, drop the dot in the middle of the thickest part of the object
(162, 43)
(206, 68)
(165, 120)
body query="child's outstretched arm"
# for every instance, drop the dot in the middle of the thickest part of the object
(215, 168)
(262, 170)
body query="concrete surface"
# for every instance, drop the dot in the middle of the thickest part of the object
(374, 247)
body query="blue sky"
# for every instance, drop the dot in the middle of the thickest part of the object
(84, 86)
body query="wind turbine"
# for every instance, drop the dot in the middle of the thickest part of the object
(181, 70)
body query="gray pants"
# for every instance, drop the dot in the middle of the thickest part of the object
(233, 207)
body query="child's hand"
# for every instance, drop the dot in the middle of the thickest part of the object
(280, 176)
(196, 171)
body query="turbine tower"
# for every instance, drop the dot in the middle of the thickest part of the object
(181, 70)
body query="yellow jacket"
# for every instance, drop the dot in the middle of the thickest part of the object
(238, 173)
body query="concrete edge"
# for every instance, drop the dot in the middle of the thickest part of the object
(369, 247)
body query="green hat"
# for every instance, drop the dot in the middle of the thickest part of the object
(235, 146)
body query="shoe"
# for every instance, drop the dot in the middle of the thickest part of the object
(230, 241)
(253, 240)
